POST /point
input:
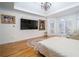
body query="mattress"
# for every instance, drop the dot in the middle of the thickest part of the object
(59, 46)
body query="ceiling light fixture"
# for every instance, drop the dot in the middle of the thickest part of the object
(45, 5)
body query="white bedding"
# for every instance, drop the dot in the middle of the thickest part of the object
(61, 45)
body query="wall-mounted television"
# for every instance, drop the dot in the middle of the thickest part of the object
(28, 24)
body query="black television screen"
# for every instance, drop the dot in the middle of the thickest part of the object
(28, 24)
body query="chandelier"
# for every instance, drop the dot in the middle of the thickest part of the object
(45, 5)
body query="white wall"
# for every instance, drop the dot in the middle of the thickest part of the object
(71, 21)
(12, 32)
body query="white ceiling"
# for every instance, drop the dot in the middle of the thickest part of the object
(61, 6)
(31, 7)
(35, 8)
(57, 8)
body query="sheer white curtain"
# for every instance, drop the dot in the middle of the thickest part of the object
(62, 27)
(65, 26)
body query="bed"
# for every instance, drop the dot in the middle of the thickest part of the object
(59, 47)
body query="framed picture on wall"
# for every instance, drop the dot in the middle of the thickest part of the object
(7, 19)
(41, 24)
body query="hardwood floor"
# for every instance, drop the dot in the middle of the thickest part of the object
(27, 53)
(20, 49)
